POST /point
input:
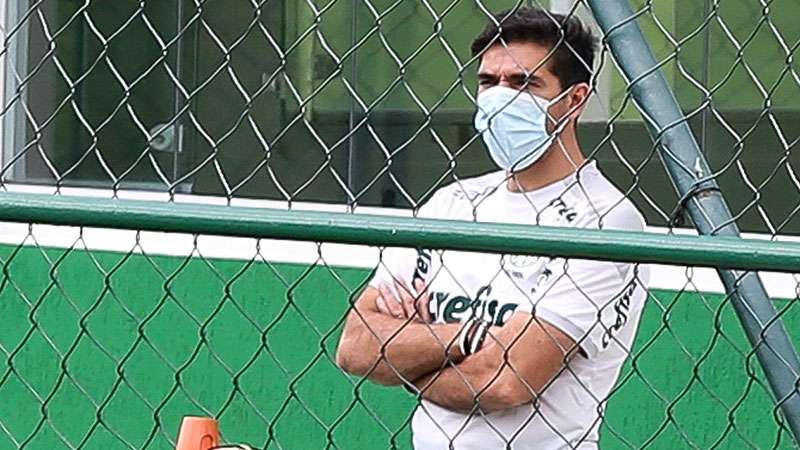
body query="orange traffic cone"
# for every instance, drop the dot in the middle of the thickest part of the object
(198, 433)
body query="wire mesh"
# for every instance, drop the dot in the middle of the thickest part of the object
(360, 106)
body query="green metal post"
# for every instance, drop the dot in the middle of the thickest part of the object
(690, 173)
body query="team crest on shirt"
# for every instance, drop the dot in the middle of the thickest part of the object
(520, 267)
(521, 261)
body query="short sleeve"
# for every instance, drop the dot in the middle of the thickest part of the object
(595, 303)
(406, 263)
(395, 262)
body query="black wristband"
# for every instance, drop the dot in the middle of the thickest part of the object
(464, 334)
(479, 337)
(471, 334)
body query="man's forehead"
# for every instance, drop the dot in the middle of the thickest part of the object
(515, 58)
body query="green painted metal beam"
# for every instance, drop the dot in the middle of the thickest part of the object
(607, 245)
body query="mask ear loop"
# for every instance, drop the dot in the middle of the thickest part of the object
(560, 125)
(564, 123)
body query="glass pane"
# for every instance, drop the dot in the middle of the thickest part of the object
(94, 82)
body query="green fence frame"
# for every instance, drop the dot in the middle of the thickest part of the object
(361, 229)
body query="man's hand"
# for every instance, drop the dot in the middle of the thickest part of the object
(407, 304)
(391, 350)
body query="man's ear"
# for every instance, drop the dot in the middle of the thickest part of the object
(578, 99)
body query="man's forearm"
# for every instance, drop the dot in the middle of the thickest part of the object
(388, 350)
(467, 387)
(520, 359)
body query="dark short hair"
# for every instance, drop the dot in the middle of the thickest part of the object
(574, 43)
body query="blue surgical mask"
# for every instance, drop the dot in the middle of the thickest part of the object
(513, 125)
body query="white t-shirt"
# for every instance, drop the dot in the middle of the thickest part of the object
(598, 304)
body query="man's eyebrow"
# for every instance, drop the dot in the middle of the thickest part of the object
(518, 78)
(521, 78)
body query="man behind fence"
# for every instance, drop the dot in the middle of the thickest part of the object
(508, 351)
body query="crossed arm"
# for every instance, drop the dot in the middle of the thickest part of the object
(388, 347)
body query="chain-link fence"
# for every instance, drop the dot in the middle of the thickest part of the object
(359, 106)
(110, 350)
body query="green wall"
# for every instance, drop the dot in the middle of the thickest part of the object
(93, 343)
